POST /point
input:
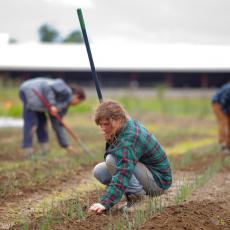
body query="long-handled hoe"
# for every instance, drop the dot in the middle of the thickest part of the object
(93, 70)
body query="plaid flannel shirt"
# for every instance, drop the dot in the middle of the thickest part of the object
(135, 144)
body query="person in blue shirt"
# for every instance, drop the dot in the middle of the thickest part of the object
(221, 108)
(60, 96)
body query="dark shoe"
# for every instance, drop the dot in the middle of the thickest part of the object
(134, 202)
(225, 150)
(133, 198)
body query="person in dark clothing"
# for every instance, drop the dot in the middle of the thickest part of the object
(59, 96)
(135, 164)
(221, 108)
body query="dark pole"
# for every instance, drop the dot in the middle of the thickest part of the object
(94, 73)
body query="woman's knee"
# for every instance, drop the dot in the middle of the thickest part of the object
(111, 163)
(96, 171)
(110, 160)
(101, 173)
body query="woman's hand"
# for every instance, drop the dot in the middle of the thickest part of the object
(97, 207)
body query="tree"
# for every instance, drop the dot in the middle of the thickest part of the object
(74, 37)
(48, 34)
(13, 40)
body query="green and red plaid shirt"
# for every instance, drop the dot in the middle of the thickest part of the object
(135, 144)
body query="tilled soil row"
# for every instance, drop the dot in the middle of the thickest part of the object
(106, 220)
(25, 207)
(109, 220)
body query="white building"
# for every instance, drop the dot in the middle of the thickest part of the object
(118, 64)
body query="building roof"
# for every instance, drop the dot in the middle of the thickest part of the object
(116, 57)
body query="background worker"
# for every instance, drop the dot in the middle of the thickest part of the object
(135, 163)
(59, 96)
(221, 108)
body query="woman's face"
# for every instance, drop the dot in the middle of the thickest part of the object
(109, 128)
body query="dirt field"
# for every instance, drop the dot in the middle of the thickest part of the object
(207, 208)
(54, 191)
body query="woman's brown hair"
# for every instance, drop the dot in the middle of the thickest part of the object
(110, 110)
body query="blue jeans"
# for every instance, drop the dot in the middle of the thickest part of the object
(141, 182)
(33, 121)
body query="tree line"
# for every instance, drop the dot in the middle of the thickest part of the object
(49, 34)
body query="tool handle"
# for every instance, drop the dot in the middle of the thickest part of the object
(93, 70)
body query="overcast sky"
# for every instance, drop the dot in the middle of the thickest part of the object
(146, 21)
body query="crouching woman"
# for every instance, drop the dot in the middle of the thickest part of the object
(135, 164)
